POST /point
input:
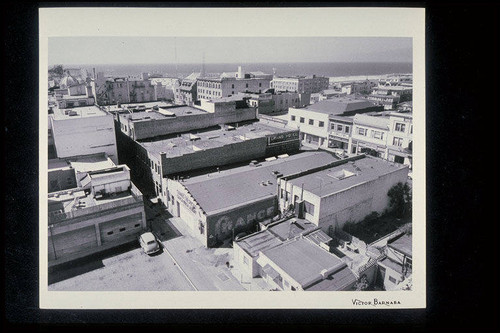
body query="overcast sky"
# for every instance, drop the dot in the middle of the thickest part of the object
(157, 50)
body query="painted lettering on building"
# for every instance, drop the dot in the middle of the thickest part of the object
(185, 200)
(283, 137)
(225, 225)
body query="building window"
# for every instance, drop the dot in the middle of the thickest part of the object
(347, 129)
(321, 124)
(302, 119)
(399, 127)
(397, 141)
(260, 84)
(393, 280)
(311, 121)
(292, 118)
(245, 260)
(308, 207)
(378, 135)
(137, 225)
(339, 127)
(332, 127)
(362, 131)
(110, 232)
(122, 229)
(246, 85)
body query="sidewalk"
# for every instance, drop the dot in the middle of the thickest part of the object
(206, 268)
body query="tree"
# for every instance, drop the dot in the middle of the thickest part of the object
(362, 283)
(57, 70)
(400, 199)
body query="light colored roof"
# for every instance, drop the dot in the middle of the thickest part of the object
(291, 228)
(402, 243)
(373, 121)
(303, 261)
(336, 281)
(92, 163)
(79, 112)
(327, 182)
(340, 105)
(242, 185)
(210, 138)
(257, 242)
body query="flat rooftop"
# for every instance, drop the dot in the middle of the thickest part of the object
(188, 143)
(151, 114)
(303, 261)
(75, 199)
(291, 228)
(78, 112)
(132, 106)
(339, 105)
(381, 122)
(402, 243)
(83, 163)
(346, 175)
(259, 241)
(335, 281)
(218, 191)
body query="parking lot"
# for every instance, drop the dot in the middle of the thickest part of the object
(183, 264)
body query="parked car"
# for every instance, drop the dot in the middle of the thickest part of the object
(149, 243)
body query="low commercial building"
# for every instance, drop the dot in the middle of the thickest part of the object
(403, 92)
(151, 120)
(397, 265)
(369, 135)
(348, 191)
(358, 87)
(292, 255)
(301, 84)
(272, 102)
(400, 138)
(389, 102)
(339, 136)
(219, 205)
(230, 84)
(83, 130)
(313, 121)
(92, 206)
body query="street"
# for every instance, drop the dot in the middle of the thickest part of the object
(183, 264)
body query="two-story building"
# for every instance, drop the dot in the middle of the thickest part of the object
(301, 84)
(348, 190)
(92, 206)
(369, 135)
(313, 121)
(230, 84)
(400, 138)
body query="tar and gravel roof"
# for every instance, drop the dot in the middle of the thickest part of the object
(327, 182)
(240, 186)
(210, 139)
(80, 112)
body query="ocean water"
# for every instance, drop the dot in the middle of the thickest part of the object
(334, 69)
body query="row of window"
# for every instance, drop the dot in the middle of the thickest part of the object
(340, 128)
(122, 229)
(209, 84)
(310, 122)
